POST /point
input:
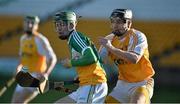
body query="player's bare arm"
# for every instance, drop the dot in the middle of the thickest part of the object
(129, 57)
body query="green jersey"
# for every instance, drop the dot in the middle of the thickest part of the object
(84, 56)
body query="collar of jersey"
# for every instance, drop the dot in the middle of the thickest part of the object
(70, 35)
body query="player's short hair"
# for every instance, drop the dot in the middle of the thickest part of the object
(122, 14)
(35, 19)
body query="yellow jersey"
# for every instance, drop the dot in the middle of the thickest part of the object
(34, 52)
(134, 41)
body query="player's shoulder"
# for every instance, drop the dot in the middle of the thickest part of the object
(77, 36)
(23, 37)
(78, 39)
(139, 34)
(80, 34)
(41, 37)
(109, 36)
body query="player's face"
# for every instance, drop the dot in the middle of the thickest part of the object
(29, 26)
(62, 29)
(119, 26)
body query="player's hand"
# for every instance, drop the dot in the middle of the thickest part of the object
(39, 76)
(103, 52)
(66, 63)
(105, 42)
(45, 75)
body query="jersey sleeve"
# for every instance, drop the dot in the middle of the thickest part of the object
(79, 43)
(44, 47)
(138, 43)
(82, 45)
(110, 36)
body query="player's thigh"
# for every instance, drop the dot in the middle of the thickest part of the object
(143, 94)
(22, 94)
(150, 87)
(92, 93)
(65, 99)
(140, 96)
(101, 91)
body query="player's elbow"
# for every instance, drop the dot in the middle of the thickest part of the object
(90, 56)
(92, 60)
(54, 59)
(134, 60)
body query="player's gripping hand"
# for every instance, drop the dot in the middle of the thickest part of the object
(66, 63)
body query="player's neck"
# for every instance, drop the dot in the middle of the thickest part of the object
(35, 33)
(70, 33)
(125, 34)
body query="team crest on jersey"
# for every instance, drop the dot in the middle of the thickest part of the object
(75, 55)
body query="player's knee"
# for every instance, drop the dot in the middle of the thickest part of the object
(110, 99)
(140, 96)
(150, 87)
(17, 100)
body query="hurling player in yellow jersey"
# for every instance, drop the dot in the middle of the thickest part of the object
(128, 49)
(85, 58)
(36, 55)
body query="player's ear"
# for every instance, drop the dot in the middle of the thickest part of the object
(129, 22)
(72, 25)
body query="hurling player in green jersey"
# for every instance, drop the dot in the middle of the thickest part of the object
(84, 57)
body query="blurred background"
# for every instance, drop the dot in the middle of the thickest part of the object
(158, 19)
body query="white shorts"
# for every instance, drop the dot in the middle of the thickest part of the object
(21, 89)
(90, 93)
(123, 90)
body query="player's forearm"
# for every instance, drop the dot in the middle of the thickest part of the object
(83, 62)
(125, 55)
(50, 65)
(88, 58)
